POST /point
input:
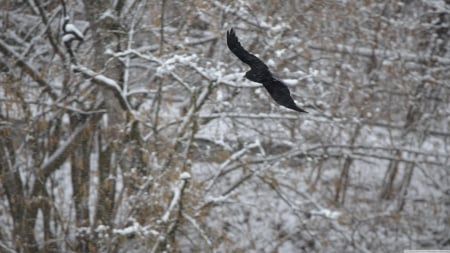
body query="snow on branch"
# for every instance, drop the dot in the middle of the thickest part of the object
(135, 229)
(322, 118)
(176, 201)
(177, 194)
(27, 68)
(105, 82)
(232, 80)
(164, 67)
(234, 157)
(248, 116)
(147, 57)
(382, 53)
(192, 112)
(62, 152)
(6, 249)
(319, 210)
(241, 11)
(202, 232)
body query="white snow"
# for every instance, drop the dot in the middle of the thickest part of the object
(290, 82)
(185, 175)
(68, 37)
(70, 28)
(327, 213)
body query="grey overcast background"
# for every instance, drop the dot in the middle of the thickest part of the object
(151, 140)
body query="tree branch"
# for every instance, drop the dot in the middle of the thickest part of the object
(27, 68)
(380, 53)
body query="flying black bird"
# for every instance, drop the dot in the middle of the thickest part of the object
(260, 73)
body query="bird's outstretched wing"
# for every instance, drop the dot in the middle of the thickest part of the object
(281, 94)
(260, 73)
(235, 46)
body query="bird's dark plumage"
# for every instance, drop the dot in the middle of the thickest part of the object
(260, 73)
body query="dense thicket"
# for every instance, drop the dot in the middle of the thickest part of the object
(151, 140)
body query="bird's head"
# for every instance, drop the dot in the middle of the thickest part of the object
(254, 76)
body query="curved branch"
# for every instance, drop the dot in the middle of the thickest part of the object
(27, 68)
(48, 31)
(105, 82)
(60, 155)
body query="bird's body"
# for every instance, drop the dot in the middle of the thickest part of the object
(260, 73)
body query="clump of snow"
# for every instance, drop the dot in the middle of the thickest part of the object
(185, 176)
(326, 213)
(107, 14)
(290, 81)
(280, 52)
(135, 228)
(279, 27)
(101, 228)
(271, 63)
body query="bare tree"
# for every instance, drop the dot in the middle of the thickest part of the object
(146, 137)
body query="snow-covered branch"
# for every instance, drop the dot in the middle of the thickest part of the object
(373, 147)
(177, 195)
(107, 83)
(59, 156)
(397, 55)
(176, 201)
(234, 157)
(26, 67)
(197, 227)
